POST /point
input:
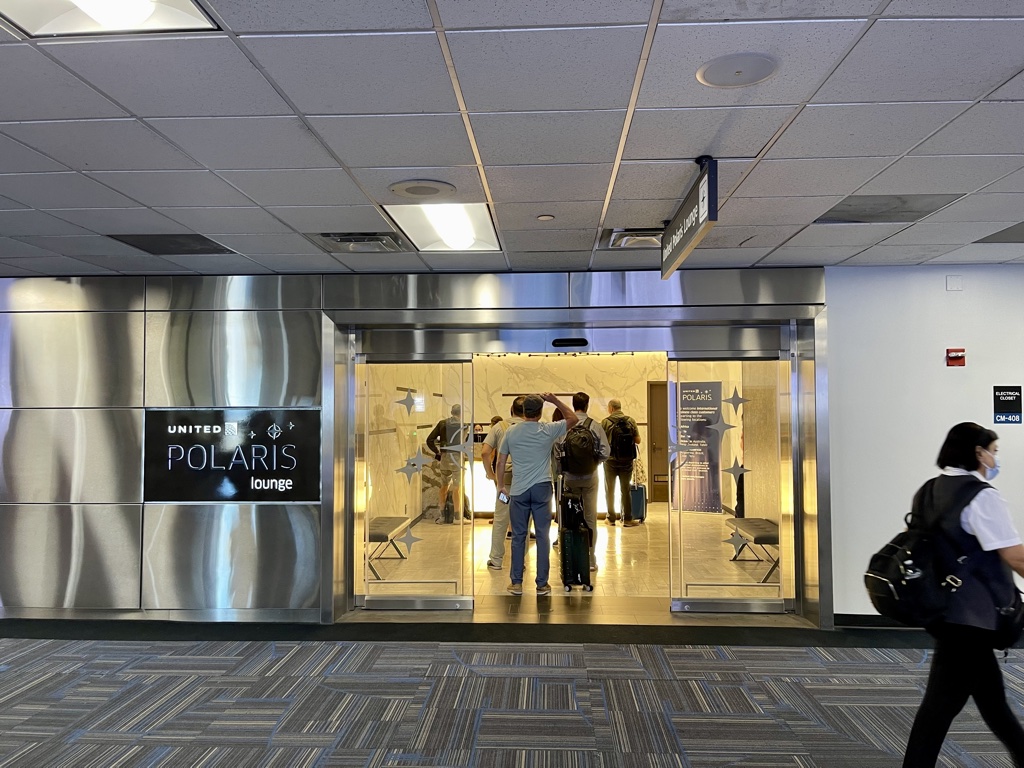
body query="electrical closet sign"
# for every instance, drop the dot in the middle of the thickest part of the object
(232, 455)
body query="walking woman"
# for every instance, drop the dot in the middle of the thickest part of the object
(964, 663)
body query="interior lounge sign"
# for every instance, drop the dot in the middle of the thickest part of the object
(694, 219)
(232, 455)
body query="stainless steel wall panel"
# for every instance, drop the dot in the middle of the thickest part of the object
(724, 287)
(71, 359)
(70, 556)
(233, 292)
(233, 359)
(230, 556)
(66, 456)
(72, 294)
(446, 291)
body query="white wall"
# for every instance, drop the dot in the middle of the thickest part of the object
(892, 399)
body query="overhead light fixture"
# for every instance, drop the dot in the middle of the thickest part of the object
(50, 18)
(737, 70)
(446, 226)
(545, 217)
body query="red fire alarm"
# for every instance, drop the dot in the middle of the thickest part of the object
(956, 358)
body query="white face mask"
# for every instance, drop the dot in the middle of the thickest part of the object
(991, 472)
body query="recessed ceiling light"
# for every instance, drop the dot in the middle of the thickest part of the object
(737, 70)
(545, 217)
(423, 189)
(48, 18)
(446, 226)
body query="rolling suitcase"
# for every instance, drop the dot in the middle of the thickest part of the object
(574, 543)
(638, 501)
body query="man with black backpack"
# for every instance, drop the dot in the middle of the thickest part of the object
(583, 448)
(447, 434)
(623, 438)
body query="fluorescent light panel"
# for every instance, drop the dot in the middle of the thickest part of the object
(446, 227)
(47, 18)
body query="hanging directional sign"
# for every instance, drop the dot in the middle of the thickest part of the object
(695, 218)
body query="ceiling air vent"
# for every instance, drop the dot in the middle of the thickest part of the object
(172, 245)
(362, 242)
(631, 238)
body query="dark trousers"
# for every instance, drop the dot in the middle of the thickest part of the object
(963, 666)
(624, 473)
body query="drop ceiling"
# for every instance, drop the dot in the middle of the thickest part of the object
(296, 116)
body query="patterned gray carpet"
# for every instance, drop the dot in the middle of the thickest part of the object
(240, 704)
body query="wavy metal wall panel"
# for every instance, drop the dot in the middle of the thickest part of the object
(446, 291)
(233, 359)
(72, 294)
(70, 556)
(230, 556)
(71, 359)
(234, 292)
(71, 456)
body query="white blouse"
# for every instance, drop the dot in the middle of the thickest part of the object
(987, 517)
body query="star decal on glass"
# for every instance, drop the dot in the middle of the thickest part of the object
(735, 401)
(466, 448)
(736, 470)
(737, 542)
(720, 427)
(420, 461)
(408, 401)
(408, 539)
(408, 470)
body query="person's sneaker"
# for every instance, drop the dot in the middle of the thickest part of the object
(493, 566)
(610, 520)
(630, 523)
(593, 567)
(543, 590)
(515, 589)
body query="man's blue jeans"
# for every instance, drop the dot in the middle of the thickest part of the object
(535, 503)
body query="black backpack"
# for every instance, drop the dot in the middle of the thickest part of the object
(580, 449)
(911, 578)
(622, 439)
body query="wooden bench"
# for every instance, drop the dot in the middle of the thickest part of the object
(383, 532)
(759, 531)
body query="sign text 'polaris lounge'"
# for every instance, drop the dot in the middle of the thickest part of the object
(232, 455)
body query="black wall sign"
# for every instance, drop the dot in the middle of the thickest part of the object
(1007, 405)
(232, 455)
(693, 220)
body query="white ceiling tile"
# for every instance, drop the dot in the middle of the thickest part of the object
(736, 10)
(844, 234)
(921, 175)
(983, 207)
(273, 244)
(358, 74)
(748, 237)
(536, 69)
(227, 143)
(142, 264)
(62, 265)
(101, 145)
(1011, 91)
(626, 259)
(668, 180)
(657, 134)
(323, 186)
(121, 221)
(806, 52)
(383, 262)
(990, 128)
(475, 261)
(1012, 183)
(15, 249)
(745, 211)
(182, 66)
(17, 158)
(542, 13)
(929, 56)
(833, 176)
(549, 240)
(632, 214)
(377, 180)
(947, 8)
(43, 90)
(318, 263)
(861, 130)
(7, 204)
(174, 188)
(321, 15)
(882, 255)
(82, 245)
(559, 261)
(526, 183)
(61, 190)
(715, 258)
(219, 264)
(29, 222)
(567, 215)
(982, 253)
(10, 268)
(333, 218)
(928, 233)
(368, 141)
(794, 256)
(226, 221)
(532, 138)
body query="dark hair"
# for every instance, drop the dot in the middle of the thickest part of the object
(495, 420)
(558, 415)
(958, 449)
(580, 401)
(517, 406)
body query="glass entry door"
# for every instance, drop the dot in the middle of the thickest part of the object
(730, 485)
(413, 479)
